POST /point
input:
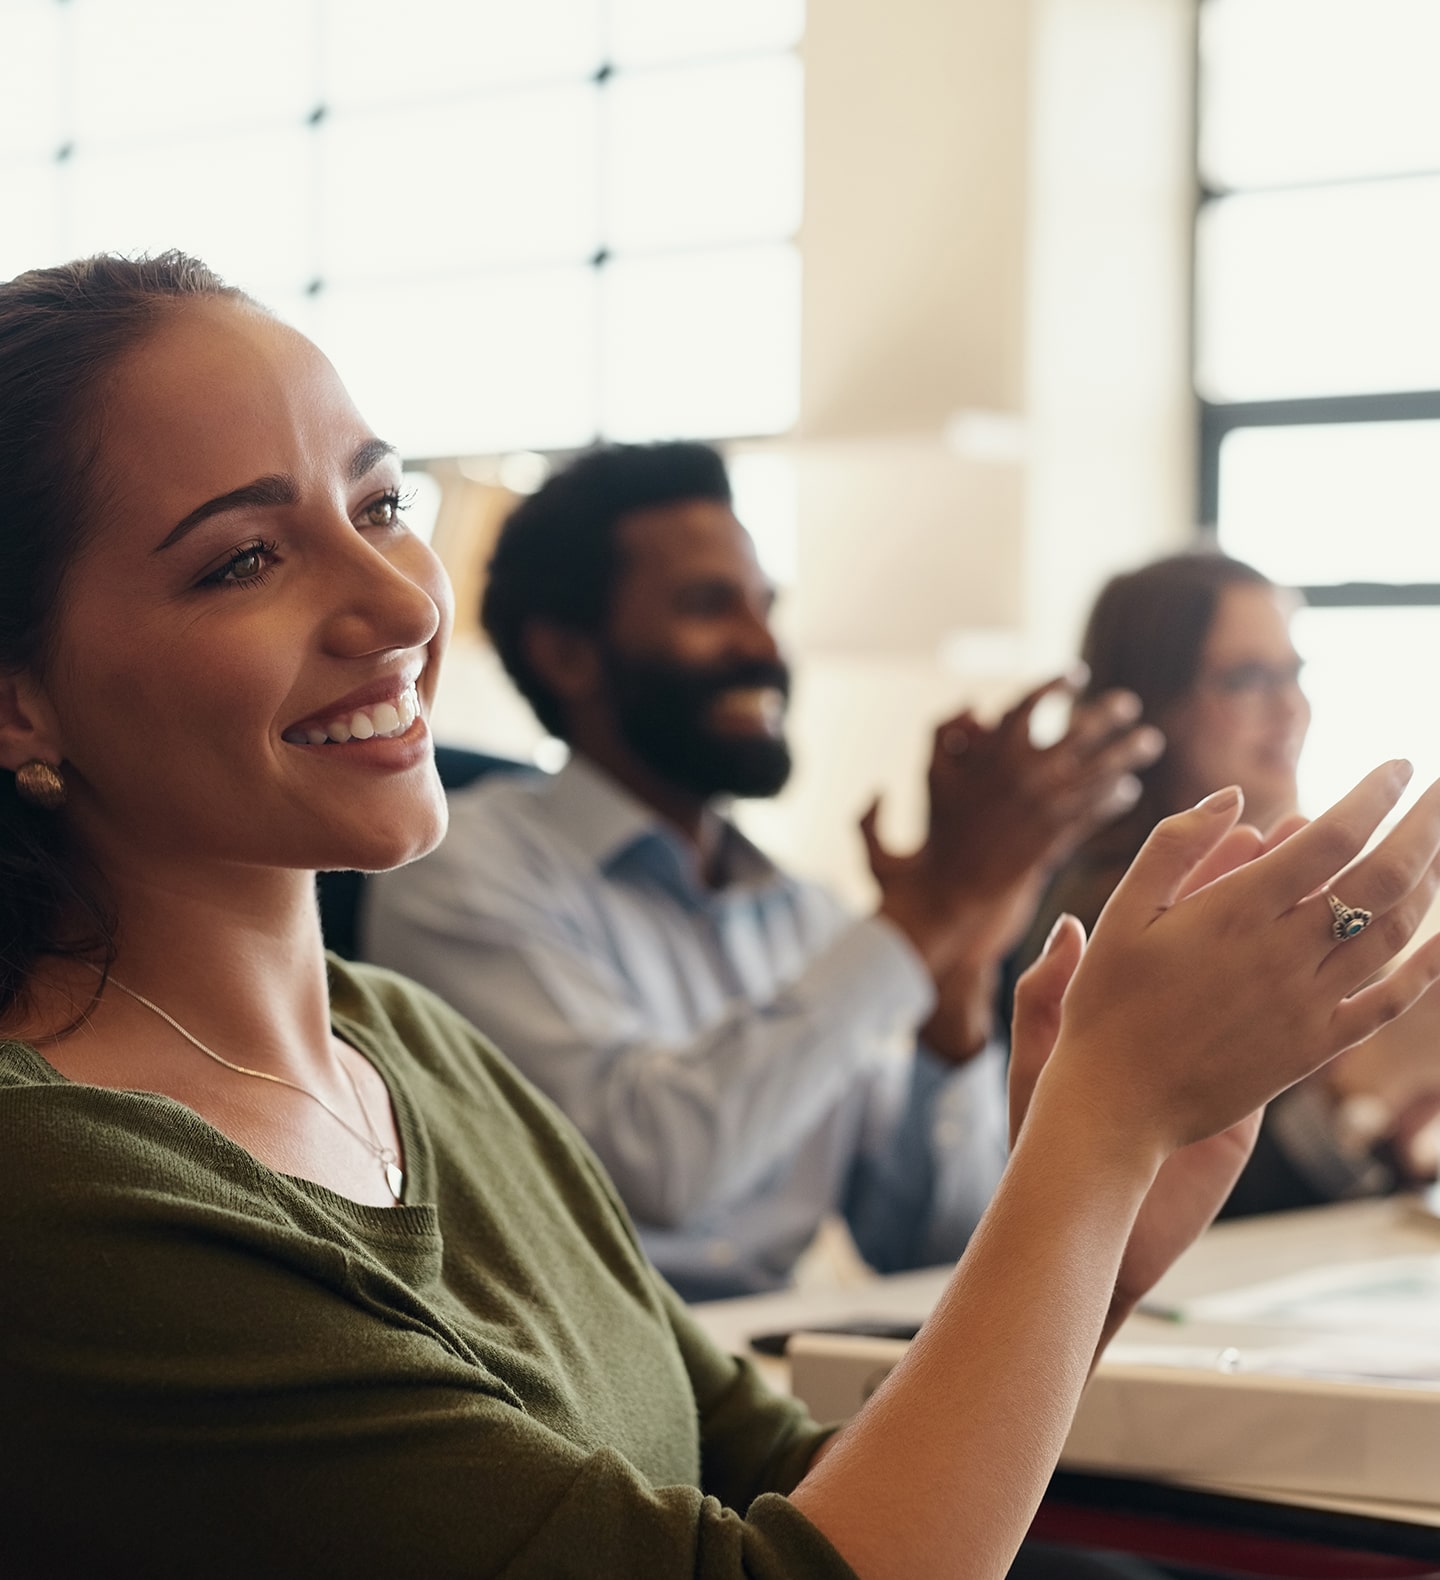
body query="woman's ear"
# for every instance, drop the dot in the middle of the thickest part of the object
(28, 727)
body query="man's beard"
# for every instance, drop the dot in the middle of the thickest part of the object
(661, 710)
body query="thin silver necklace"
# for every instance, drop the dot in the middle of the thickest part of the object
(386, 1156)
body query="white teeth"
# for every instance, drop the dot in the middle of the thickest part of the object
(384, 720)
(762, 705)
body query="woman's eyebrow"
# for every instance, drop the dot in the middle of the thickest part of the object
(369, 456)
(270, 491)
(263, 491)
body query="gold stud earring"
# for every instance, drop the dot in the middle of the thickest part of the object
(40, 784)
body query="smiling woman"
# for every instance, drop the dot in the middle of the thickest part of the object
(290, 1242)
(225, 459)
(287, 591)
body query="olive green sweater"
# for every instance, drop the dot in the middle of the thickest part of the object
(210, 1368)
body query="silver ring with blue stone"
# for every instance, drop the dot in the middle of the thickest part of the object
(1349, 919)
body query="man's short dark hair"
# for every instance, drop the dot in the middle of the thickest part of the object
(556, 557)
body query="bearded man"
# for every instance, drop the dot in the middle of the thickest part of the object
(744, 1055)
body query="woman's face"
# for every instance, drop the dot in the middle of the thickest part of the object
(1244, 720)
(248, 646)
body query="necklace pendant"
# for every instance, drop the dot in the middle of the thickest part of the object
(395, 1180)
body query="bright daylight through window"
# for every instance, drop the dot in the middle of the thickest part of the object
(1318, 349)
(512, 224)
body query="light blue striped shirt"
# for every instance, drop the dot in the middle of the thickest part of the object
(741, 1058)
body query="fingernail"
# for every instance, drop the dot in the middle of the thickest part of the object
(1054, 932)
(1221, 801)
(1404, 770)
(1124, 706)
(1149, 741)
(1078, 674)
(1127, 791)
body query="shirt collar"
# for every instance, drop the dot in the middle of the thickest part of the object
(606, 823)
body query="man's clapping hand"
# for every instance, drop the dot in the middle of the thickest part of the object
(1003, 813)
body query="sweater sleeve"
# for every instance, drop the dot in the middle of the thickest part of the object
(192, 1385)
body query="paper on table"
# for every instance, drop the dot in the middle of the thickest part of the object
(1341, 1358)
(1395, 1295)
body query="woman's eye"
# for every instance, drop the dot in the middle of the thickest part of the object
(244, 568)
(385, 511)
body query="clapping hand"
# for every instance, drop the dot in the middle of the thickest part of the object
(1213, 981)
(1193, 1183)
(1003, 812)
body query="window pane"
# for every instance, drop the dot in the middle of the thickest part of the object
(710, 154)
(510, 179)
(702, 345)
(243, 204)
(29, 216)
(426, 51)
(646, 31)
(468, 367)
(766, 489)
(1364, 669)
(158, 67)
(1320, 292)
(1307, 90)
(1334, 503)
(30, 103)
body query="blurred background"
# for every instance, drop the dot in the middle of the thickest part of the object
(984, 299)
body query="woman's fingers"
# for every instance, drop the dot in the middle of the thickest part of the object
(1175, 848)
(1395, 883)
(1310, 858)
(1285, 828)
(1362, 1014)
(1239, 847)
(1036, 1021)
(1385, 875)
(1191, 1014)
(1350, 962)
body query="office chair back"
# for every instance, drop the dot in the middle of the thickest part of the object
(342, 894)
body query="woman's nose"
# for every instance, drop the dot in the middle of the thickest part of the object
(1289, 701)
(386, 601)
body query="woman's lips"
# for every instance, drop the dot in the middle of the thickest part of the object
(377, 721)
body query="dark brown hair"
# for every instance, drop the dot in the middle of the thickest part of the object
(1146, 633)
(63, 333)
(557, 556)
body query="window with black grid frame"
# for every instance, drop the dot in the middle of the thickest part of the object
(512, 224)
(1317, 350)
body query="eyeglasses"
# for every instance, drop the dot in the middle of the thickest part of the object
(1253, 682)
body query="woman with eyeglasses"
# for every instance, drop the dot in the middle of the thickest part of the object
(1204, 641)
